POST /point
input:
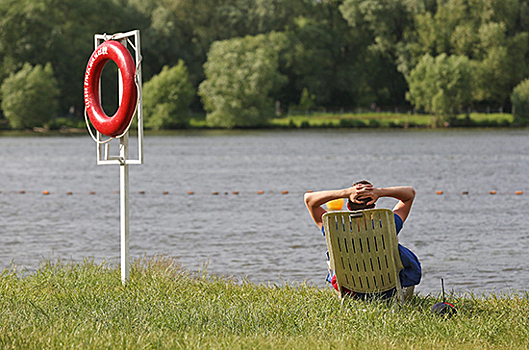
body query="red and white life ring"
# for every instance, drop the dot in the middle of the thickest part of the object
(119, 122)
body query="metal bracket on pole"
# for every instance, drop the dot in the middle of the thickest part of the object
(130, 40)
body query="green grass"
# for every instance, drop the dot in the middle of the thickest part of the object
(388, 120)
(315, 120)
(353, 120)
(85, 306)
(483, 118)
(377, 120)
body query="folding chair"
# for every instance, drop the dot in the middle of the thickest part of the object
(363, 252)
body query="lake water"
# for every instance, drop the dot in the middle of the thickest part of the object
(477, 242)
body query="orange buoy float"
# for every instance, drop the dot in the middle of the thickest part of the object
(492, 192)
(260, 192)
(285, 192)
(46, 192)
(519, 192)
(439, 192)
(120, 121)
(336, 204)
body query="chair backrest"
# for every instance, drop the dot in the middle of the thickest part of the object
(363, 250)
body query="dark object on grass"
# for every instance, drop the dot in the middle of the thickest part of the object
(444, 308)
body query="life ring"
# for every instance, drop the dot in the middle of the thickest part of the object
(119, 122)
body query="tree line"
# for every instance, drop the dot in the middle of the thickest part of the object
(245, 61)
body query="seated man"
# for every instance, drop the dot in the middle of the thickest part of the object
(362, 195)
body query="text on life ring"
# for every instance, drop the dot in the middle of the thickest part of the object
(119, 122)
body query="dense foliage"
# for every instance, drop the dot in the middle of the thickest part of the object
(29, 97)
(240, 75)
(520, 102)
(441, 85)
(167, 97)
(343, 53)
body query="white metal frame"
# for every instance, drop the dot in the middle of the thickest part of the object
(131, 38)
(103, 149)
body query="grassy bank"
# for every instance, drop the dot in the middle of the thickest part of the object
(389, 120)
(377, 120)
(163, 307)
(316, 120)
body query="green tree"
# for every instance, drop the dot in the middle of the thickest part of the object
(307, 100)
(491, 33)
(29, 97)
(61, 32)
(241, 74)
(441, 85)
(520, 102)
(500, 62)
(186, 29)
(382, 25)
(384, 21)
(326, 57)
(277, 15)
(166, 98)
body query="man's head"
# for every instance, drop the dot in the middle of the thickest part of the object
(360, 204)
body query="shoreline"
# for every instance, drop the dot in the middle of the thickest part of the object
(317, 121)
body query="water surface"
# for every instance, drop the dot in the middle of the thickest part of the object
(476, 242)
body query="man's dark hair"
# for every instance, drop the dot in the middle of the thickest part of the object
(363, 205)
(363, 182)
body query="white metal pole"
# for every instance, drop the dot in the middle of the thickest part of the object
(124, 192)
(103, 150)
(124, 208)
